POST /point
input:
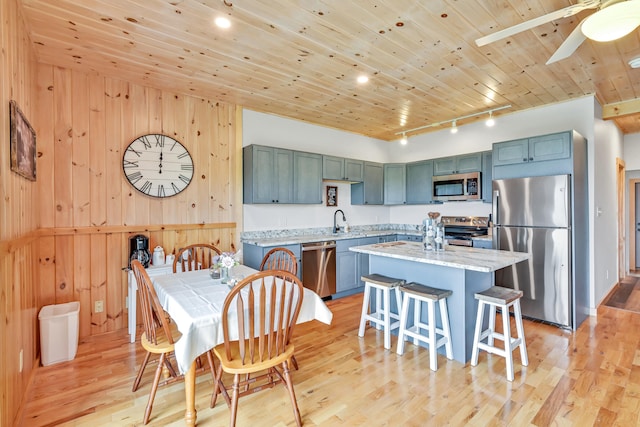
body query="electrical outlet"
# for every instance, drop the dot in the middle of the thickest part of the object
(21, 357)
(99, 308)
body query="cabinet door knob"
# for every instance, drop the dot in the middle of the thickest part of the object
(524, 160)
(531, 159)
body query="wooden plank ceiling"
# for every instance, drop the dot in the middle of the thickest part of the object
(300, 58)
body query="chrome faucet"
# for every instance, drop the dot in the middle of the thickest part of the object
(336, 227)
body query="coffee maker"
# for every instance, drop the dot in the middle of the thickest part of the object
(139, 249)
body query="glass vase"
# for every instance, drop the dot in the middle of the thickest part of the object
(224, 275)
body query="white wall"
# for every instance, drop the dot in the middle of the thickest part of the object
(274, 131)
(632, 152)
(576, 114)
(604, 206)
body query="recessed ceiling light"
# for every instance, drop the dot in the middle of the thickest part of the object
(222, 22)
(635, 62)
(363, 79)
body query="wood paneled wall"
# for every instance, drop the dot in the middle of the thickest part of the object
(18, 220)
(66, 236)
(88, 210)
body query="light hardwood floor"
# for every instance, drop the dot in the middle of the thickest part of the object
(591, 377)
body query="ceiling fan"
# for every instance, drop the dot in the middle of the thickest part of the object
(613, 19)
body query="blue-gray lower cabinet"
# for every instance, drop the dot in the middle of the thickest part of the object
(347, 277)
(482, 244)
(350, 266)
(410, 237)
(252, 255)
(363, 259)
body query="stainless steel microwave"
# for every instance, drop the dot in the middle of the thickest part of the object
(461, 186)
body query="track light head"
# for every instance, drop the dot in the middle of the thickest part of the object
(490, 120)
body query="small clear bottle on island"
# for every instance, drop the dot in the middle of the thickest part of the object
(430, 232)
(439, 240)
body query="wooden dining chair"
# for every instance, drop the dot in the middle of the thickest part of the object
(195, 257)
(280, 259)
(271, 304)
(158, 337)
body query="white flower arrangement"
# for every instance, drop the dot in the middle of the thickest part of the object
(226, 260)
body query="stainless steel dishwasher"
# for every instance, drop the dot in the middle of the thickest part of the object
(319, 267)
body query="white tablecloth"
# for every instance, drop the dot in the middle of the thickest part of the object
(194, 301)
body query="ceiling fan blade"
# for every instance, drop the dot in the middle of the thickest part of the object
(569, 45)
(532, 23)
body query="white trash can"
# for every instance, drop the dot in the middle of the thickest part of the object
(59, 329)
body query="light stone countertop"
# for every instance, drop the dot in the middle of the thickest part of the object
(484, 260)
(296, 239)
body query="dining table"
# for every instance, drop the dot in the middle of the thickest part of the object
(194, 301)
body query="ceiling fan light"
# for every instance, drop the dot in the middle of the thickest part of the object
(635, 62)
(613, 22)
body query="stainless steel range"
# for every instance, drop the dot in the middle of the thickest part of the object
(460, 230)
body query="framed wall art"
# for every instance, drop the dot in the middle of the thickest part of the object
(332, 195)
(23, 144)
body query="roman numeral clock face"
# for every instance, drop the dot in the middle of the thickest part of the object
(157, 165)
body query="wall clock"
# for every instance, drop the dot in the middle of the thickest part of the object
(157, 165)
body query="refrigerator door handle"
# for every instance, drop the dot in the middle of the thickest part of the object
(496, 200)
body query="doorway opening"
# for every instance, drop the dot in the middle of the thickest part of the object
(620, 183)
(634, 227)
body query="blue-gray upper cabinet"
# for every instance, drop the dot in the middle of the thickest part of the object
(540, 148)
(268, 174)
(307, 178)
(395, 183)
(420, 182)
(458, 164)
(487, 176)
(341, 169)
(370, 191)
(353, 170)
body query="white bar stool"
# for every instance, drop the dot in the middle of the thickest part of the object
(382, 315)
(503, 298)
(419, 294)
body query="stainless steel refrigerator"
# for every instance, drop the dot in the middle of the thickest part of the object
(535, 215)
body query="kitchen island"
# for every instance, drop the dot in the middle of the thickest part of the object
(463, 270)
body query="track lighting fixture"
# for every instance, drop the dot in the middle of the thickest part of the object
(454, 122)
